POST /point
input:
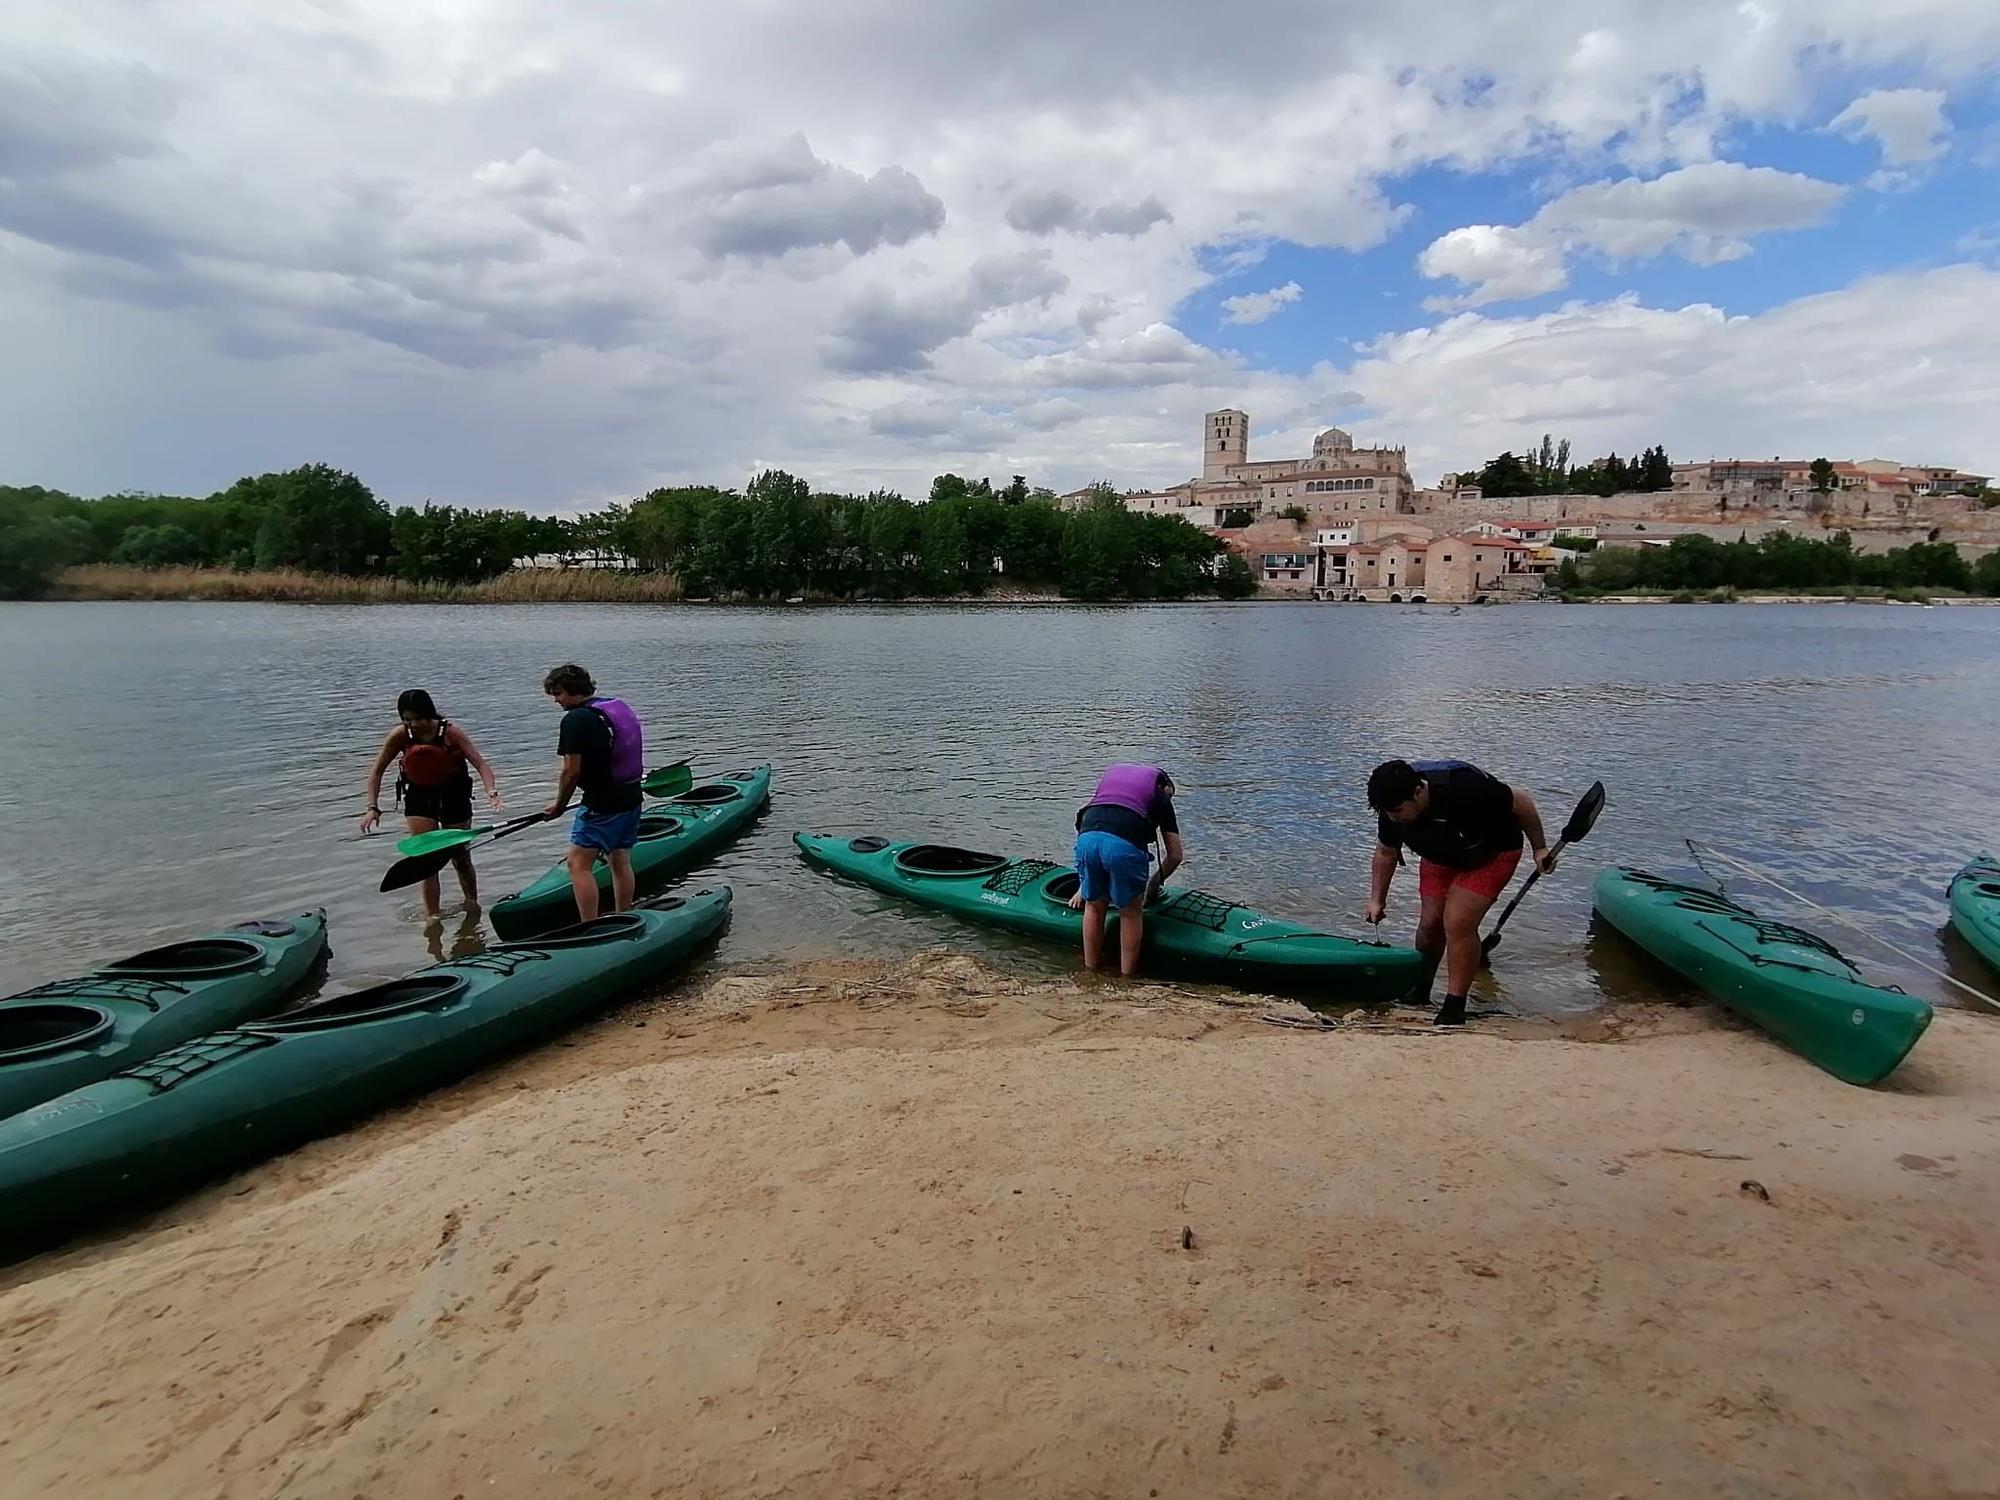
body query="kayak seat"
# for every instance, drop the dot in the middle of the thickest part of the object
(943, 859)
(707, 796)
(659, 826)
(377, 1002)
(29, 1031)
(196, 959)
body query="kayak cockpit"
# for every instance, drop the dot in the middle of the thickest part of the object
(944, 860)
(31, 1031)
(377, 1002)
(616, 928)
(198, 958)
(712, 795)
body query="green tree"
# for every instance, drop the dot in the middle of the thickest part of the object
(158, 547)
(318, 518)
(1656, 471)
(1986, 574)
(1016, 491)
(1505, 476)
(1823, 478)
(40, 535)
(1237, 516)
(1295, 513)
(1033, 545)
(1235, 580)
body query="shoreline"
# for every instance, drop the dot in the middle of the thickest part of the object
(99, 584)
(929, 1228)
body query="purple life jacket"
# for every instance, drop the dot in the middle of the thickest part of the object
(628, 740)
(1132, 787)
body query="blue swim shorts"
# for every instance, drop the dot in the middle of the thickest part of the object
(607, 831)
(1110, 868)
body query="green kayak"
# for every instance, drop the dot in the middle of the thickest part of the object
(236, 1096)
(1795, 985)
(674, 837)
(60, 1036)
(1185, 929)
(1975, 907)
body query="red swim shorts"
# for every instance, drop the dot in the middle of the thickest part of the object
(1434, 881)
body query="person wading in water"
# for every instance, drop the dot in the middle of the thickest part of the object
(1115, 830)
(603, 753)
(434, 784)
(1466, 827)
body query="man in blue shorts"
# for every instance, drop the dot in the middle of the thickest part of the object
(603, 755)
(1114, 836)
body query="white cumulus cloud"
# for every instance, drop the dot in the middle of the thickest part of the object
(1909, 126)
(1705, 213)
(483, 250)
(1258, 307)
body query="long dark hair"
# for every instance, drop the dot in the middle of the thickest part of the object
(415, 703)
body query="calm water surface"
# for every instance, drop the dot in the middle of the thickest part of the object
(170, 767)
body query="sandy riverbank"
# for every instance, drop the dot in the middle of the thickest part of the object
(862, 1230)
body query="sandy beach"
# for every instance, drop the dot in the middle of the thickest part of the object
(935, 1230)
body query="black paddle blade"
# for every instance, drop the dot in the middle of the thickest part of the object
(1585, 817)
(415, 868)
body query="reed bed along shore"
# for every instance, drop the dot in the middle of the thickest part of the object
(291, 586)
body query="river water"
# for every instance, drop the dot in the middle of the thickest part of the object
(166, 768)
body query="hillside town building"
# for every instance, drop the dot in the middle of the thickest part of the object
(1347, 523)
(1337, 479)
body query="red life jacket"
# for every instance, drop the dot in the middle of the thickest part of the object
(432, 762)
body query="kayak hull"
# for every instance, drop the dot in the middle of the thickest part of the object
(1787, 981)
(239, 1095)
(61, 1036)
(675, 835)
(1975, 907)
(1186, 930)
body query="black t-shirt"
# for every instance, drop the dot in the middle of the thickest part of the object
(586, 732)
(1469, 821)
(1108, 817)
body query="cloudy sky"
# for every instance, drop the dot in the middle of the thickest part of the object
(495, 251)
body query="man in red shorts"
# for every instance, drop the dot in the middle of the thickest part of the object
(1466, 827)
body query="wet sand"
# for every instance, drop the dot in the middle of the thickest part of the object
(933, 1230)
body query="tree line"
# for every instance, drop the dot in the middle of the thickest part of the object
(778, 538)
(1779, 561)
(1546, 471)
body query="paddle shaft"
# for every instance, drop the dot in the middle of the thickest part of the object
(419, 867)
(1492, 938)
(1581, 821)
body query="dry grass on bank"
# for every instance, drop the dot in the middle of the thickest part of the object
(291, 586)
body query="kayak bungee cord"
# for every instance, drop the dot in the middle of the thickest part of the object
(1755, 874)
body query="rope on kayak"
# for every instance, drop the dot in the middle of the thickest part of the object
(1756, 874)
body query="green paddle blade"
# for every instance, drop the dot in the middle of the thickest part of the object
(668, 781)
(439, 839)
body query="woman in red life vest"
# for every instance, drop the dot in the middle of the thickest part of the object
(433, 782)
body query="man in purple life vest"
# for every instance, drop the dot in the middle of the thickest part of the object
(604, 755)
(1114, 835)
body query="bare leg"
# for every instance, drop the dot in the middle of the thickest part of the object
(583, 881)
(468, 879)
(1093, 932)
(622, 882)
(1464, 910)
(1430, 942)
(431, 893)
(1131, 935)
